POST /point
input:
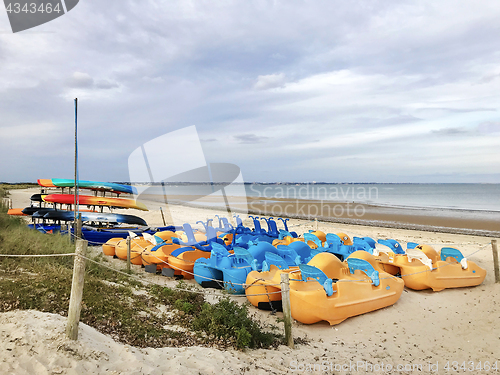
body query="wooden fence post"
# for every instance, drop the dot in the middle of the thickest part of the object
(7, 202)
(79, 226)
(495, 260)
(70, 236)
(75, 301)
(287, 311)
(128, 254)
(163, 217)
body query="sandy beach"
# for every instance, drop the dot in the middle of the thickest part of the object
(421, 333)
(483, 223)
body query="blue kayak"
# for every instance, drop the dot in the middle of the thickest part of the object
(95, 216)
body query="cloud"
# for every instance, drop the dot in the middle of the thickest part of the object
(79, 80)
(250, 138)
(451, 131)
(488, 78)
(106, 85)
(372, 81)
(489, 127)
(270, 81)
(484, 128)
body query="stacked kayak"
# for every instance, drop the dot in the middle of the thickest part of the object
(83, 184)
(90, 200)
(98, 227)
(95, 216)
(16, 212)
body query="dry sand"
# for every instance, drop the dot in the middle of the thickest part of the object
(419, 334)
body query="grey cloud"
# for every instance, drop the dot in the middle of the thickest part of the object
(451, 131)
(484, 128)
(489, 127)
(250, 138)
(454, 110)
(488, 78)
(370, 122)
(85, 81)
(106, 85)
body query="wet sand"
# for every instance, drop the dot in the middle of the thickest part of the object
(482, 223)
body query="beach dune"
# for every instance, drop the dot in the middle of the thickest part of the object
(422, 333)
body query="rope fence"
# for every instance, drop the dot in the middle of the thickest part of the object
(283, 287)
(222, 283)
(244, 285)
(36, 255)
(284, 290)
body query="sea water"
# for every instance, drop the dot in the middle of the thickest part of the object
(469, 197)
(455, 196)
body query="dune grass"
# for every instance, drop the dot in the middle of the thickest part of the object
(23, 185)
(130, 311)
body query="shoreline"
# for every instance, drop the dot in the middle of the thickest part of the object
(455, 221)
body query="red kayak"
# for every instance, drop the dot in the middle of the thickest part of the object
(89, 200)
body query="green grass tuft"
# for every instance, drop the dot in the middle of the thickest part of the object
(113, 303)
(229, 320)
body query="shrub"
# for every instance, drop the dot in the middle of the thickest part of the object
(229, 320)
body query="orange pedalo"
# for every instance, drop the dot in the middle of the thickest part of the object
(109, 247)
(287, 240)
(166, 235)
(328, 289)
(182, 260)
(263, 289)
(332, 290)
(137, 246)
(423, 268)
(157, 254)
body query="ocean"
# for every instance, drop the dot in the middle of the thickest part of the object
(469, 197)
(454, 196)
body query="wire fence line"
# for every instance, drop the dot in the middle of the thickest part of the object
(244, 285)
(150, 281)
(36, 255)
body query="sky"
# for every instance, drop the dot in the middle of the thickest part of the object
(333, 91)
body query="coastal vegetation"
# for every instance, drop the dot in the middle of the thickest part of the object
(5, 186)
(127, 308)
